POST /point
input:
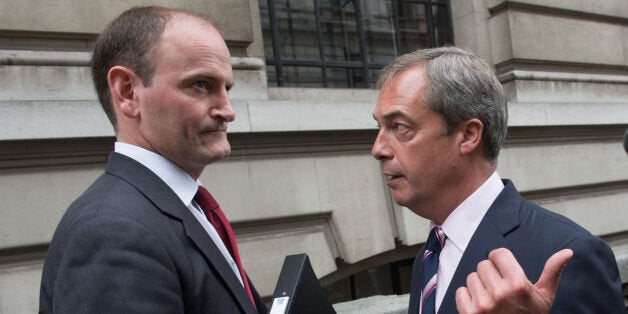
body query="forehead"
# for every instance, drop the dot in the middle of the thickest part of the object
(403, 94)
(188, 40)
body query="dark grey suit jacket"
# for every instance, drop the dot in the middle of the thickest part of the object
(129, 245)
(590, 282)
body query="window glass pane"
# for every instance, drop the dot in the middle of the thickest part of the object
(379, 28)
(340, 39)
(271, 75)
(266, 30)
(297, 30)
(301, 76)
(345, 37)
(372, 77)
(345, 77)
(413, 30)
(441, 25)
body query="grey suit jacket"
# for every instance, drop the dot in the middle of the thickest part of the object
(590, 282)
(129, 245)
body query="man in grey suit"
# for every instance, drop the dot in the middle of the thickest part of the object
(138, 240)
(442, 118)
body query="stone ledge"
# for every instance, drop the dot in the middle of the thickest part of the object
(82, 58)
(621, 256)
(24, 120)
(379, 304)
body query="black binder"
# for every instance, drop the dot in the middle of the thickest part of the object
(298, 290)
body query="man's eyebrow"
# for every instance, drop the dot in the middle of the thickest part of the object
(393, 114)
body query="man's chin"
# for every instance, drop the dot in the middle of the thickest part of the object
(216, 155)
(401, 201)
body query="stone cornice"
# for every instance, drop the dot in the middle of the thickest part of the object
(82, 58)
(76, 151)
(521, 6)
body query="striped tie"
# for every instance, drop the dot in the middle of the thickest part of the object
(435, 243)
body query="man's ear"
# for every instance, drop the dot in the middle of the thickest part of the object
(471, 131)
(122, 82)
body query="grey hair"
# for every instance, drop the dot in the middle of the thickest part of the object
(460, 86)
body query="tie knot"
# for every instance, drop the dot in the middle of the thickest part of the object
(436, 240)
(205, 199)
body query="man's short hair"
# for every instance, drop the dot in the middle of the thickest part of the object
(459, 86)
(130, 41)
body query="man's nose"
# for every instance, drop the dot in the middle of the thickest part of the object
(381, 150)
(222, 107)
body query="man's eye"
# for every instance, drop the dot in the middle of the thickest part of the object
(399, 127)
(201, 84)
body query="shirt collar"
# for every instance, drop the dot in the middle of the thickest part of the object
(178, 180)
(462, 222)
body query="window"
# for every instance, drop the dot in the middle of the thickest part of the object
(344, 43)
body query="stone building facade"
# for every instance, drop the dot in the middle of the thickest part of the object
(301, 178)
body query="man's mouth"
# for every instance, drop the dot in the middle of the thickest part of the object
(390, 178)
(215, 130)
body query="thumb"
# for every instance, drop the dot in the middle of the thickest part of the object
(554, 266)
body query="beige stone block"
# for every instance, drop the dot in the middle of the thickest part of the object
(263, 255)
(510, 91)
(19, 287)
(242, 122)
(526, 32)
(53, 119)
(232, 17)
(45, 83)
(625, 41)
(377, 304)
(251, 189)
(256, 48)
(543, 37)
(569, 91)
(618, 8)
(592, 211)
(493, 3)
(557, 165)
(308, 115)
(556, 114)
(470, 22)
(249, 85)
(460, 8)
(34, 201)
(500, 38)
(337, 95)
(74, 16)
(350, 186)
(67, 76)
(412, 228)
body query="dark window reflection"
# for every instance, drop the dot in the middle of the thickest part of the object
(343, 43)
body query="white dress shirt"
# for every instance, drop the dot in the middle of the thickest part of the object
(459, 227)
(183, 185)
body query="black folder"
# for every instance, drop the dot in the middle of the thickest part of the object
(298, 290)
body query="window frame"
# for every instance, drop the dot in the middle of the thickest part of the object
(278, 63)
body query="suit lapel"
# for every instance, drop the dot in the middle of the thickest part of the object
(167, 201)
(501, 218)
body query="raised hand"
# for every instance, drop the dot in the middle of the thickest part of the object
(501, 286)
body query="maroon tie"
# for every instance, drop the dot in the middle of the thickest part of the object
(221, 224)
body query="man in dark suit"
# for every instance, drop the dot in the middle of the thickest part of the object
(443, 118)
(140, 239)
